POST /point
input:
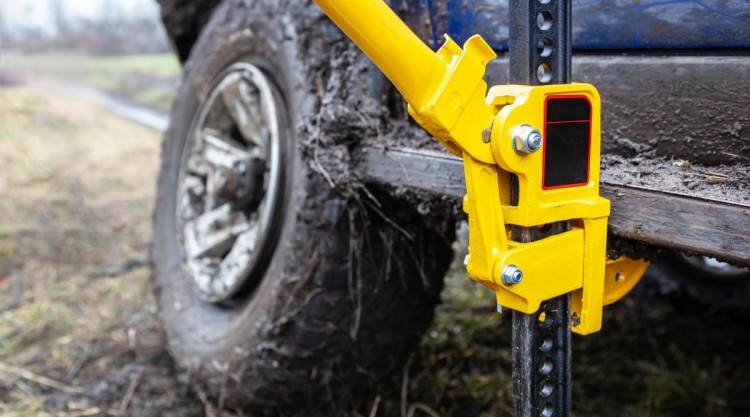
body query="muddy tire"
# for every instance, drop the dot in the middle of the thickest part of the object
(339, 296)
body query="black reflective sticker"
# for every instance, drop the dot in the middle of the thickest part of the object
(567, 141)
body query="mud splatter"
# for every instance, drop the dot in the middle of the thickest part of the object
(722, 182)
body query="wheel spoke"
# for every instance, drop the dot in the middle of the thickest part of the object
(203, 270)
(237, 260)
(244, 104)
(213, 233)
(221, 151)
(195, 163)
(191, 197)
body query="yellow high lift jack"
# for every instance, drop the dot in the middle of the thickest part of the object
(531, 160)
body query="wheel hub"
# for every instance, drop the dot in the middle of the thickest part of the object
(231, 184)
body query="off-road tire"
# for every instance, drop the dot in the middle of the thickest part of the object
(345, 295)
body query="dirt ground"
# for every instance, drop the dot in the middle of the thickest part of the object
(78, 335)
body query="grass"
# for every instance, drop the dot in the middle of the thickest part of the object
(463, 365)
(159, 66)
(149, 80)
(77, 186)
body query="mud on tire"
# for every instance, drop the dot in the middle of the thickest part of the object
(344, 295)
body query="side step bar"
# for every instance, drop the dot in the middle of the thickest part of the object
(708, 227)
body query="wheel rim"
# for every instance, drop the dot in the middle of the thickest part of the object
(231, 183)
(713, 266)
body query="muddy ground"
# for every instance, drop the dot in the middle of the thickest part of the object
(78, 334)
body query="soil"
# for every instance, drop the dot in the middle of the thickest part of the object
(359, 107)
(684, 107)
(722, 182)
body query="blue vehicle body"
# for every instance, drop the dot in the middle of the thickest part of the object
(597, 24)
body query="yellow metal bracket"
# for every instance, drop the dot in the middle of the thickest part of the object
(572, 261)
(456, 113)
(448, 97)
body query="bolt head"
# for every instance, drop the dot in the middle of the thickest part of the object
(575, 320)
(526, 140)
(534, 141)
(512, 275)
(486, 135)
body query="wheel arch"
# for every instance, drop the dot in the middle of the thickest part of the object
(184, 20)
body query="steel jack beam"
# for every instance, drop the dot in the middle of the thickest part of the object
(540, 54)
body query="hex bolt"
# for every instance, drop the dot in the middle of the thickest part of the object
(486, 135)
(512, 275)
(526, 140)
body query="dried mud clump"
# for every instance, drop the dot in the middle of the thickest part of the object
(358, 107)
(723, 182)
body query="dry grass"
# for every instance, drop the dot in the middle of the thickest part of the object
(148, 80)
(77, 186)
(158, 66)
(77, 183)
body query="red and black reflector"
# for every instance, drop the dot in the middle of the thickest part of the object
(567, 141)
